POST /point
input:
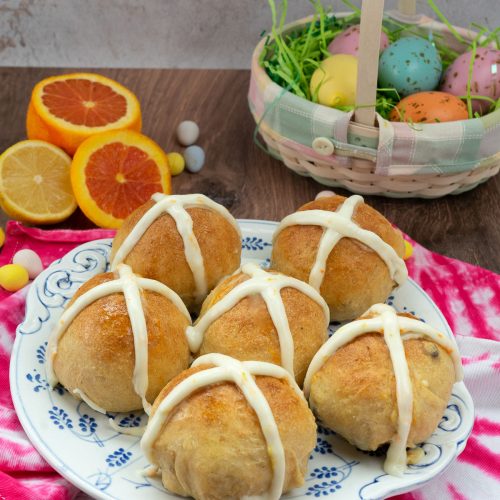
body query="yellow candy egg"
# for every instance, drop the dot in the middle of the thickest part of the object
(176, 163)
(13, 277)
(334, 82)
(2, 237)
(408, 250)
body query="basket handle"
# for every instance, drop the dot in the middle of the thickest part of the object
(372, 12)
(407, 12)
(407, 7)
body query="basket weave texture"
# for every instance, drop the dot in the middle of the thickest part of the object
(393, 159)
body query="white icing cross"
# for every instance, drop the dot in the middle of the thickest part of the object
(176, 206)
(130, 285)
(242, 374)
(393, 328)
(269, 286)
(338, 225)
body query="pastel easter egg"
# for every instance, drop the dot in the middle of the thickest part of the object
(195, 158)
(188, 132)
(485, 77)
(429, 107)
(13, 277)
(324, 194)
(334, 82)
(176, 163)
(410, 65)
(30, 261)
(347, 42)
(408, 250)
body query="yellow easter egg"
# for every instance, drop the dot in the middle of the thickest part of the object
(408, 250)
(2, 237)
(176, 163)
(334, 82)
(13, 277)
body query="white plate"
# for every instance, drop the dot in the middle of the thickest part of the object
(79, 443)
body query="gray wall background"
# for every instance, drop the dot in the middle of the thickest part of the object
(163, 33)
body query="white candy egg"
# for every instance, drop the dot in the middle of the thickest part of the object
(30, 261)
(324, 194)
(195, 158)
(188, 133)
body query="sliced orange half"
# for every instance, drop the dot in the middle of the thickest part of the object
(35, 183)
(115, 172)
(67, 109)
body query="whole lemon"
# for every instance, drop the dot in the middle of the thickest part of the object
(334, 82)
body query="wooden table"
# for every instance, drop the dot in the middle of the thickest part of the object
(245, 179)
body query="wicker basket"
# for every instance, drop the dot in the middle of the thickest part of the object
(389, 159)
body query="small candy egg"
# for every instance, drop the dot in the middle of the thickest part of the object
(347, 42)
(324, 194)
(429, 107)
(485, 77)
(195, 158)
(408, 250)
(334, 81)
(2, 237)
(188, 132)
(30, 261)
(176, 163)
(13, 277)
(411, 64)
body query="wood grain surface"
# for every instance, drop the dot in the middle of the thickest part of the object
(245, 179)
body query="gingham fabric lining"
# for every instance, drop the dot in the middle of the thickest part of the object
(450, 147)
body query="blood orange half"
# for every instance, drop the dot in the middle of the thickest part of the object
(67, 109)
(115, 172)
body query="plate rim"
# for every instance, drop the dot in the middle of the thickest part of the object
(86, 486)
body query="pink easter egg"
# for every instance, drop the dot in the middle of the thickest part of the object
(485, 77)
(347, 42)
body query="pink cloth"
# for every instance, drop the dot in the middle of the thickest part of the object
(24, 474)
(468, 296)
(49, 245)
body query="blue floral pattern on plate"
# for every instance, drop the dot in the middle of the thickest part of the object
(81, 445)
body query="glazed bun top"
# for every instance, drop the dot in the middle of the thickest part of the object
(268, 285)
(346, 222)
(198, 222)
(130, 285)
(383, 319)
(216, 369)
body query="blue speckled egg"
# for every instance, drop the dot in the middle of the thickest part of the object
(409, 65)
(195, 158)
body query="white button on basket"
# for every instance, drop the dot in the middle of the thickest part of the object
(323, 146)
